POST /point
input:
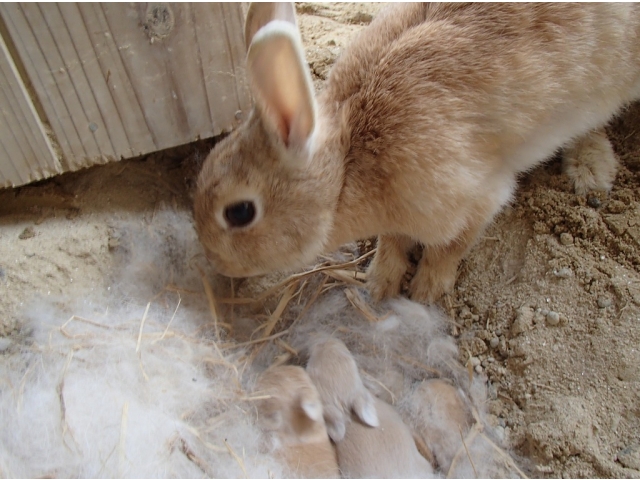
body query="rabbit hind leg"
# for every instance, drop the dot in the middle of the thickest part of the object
(590, 162)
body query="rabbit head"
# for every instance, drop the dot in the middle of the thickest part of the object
(255, 191)
(292, 407)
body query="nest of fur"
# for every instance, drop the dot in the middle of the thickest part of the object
(153, 378)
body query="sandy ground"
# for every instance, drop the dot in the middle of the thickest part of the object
(547, 305)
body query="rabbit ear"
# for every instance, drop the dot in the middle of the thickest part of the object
(281, 84)
(336, 431)
(365, 408)
(310, 404)
(312, 409)
(335, 422)
(261, 13)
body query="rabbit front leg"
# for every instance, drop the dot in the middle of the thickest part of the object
(590, 162)
(438, 267)
(436, 274)
(384, 275)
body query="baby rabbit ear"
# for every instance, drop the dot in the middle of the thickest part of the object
(309, 402)
(281, 84)
(335, 422)
(261, 13)
(365, 408)
(336, 431)
(312, 409)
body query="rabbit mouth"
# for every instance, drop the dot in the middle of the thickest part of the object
(237, 271)
(261, 266)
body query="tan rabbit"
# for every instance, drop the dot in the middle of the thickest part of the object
(293, 416)
(335, 374)
(441, 419)
(419, 134)
(388, 451)
(371, 439)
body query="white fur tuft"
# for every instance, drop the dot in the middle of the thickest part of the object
(86, 396)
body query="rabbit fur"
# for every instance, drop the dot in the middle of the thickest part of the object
(419, 134)
(375, 443)
(388, 451)
(292, 415)
(440, 417)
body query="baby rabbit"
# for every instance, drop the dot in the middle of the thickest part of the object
(293, 417)
(419, 134)
(335, 374)
(388, 451)
(364, 451)
(440, 418)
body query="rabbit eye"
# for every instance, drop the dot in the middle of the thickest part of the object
(240, 214)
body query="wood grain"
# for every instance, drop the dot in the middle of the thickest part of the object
(26, 153)
(118, 80)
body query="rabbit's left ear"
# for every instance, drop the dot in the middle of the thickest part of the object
(281, 83)
(261, 13)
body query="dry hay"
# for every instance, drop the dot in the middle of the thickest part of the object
(154, 377)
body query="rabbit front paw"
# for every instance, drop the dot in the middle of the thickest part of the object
(383, 284)
(385, 274)
(432, 280)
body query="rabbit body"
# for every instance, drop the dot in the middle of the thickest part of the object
(419, 134)
(388, 451)
(440, 418)
(292, 416)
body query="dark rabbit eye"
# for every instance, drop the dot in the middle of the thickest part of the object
(240, 214)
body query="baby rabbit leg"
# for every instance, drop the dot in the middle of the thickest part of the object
(438, 267)
(384, 275)
(590, 162)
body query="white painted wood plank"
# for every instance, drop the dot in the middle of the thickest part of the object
(26, 153)
(69, 69)
(112, 85)
(164, 74)
(42, 62)
(116, 80)
(223, 63)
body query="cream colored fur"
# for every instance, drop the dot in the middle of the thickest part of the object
(292, 415)
(388, 451)
(370, 437)
(441, 419)
(423, 126)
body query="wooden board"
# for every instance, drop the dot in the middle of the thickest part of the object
(117, 80)
(25, 151)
